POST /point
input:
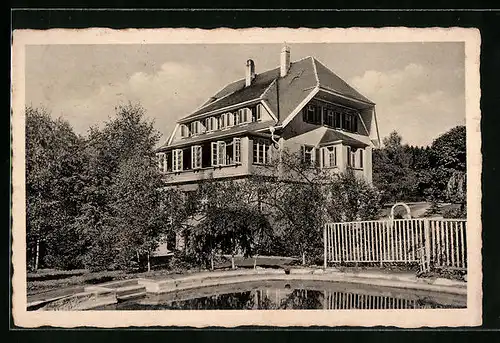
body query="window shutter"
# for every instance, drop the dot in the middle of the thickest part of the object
(215, 160)
(221, 121)
(314, 156)
(230, 119)
(193, 156)
(181, 162)
(237, 150)
(222, 153)
(237, 118)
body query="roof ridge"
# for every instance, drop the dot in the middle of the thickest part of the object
(315, 70)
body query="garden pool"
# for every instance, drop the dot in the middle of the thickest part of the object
(290, 294)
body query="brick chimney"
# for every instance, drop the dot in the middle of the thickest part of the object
(250, 74)
(285, 60)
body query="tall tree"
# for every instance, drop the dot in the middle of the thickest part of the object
(450, 166)
(392, 172)
(54, 181)
(121, 186)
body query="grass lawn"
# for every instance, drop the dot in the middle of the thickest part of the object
(53, 282)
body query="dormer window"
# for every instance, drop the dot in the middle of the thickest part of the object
(212, 124)
(197, 128)
(257, 112)
(184, 131)
(245, 115)
(228, 119)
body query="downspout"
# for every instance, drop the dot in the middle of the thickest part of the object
(273, 128)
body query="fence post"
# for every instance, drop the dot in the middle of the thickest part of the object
(427, 234)
(380, 244)
(324, 244)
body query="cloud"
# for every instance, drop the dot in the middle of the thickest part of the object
(171, 92)
(416, 101)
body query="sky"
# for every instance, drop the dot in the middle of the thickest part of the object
(418, 88)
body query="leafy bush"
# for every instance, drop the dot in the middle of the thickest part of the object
(455, 213)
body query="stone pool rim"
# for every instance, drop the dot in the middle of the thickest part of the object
(215, 278)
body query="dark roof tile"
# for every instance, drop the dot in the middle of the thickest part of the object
(332, 135)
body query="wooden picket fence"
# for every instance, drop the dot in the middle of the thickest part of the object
(433, 243)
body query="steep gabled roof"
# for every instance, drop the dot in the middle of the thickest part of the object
(282, 94)
(329, 80)
(236, 93)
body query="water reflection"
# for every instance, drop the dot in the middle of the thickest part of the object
(287, 298)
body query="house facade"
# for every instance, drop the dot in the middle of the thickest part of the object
(299, 106)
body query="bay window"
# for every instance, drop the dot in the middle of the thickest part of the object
(196, 156)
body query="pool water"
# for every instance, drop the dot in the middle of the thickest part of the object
(296, 295)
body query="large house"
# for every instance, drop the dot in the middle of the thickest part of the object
(300, 106)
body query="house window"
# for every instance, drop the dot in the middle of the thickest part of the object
(329, 156)
(348, 122)
(338, 119)
(351, 157)
(177, 160)
(218, 153)
(329, 117)
(237, 150)
(227, 119)
(184, 131)
(355, 123)
(257, 112)
(361, 158)
(261, 151)
(196, 128)
(312, 114)
(245, 115)
(211, 124)
(196, 156)
(308, 154)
